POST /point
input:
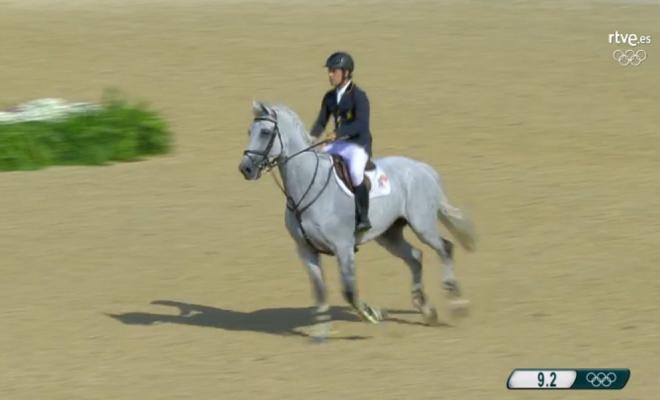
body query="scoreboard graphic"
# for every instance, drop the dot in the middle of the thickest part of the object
(566, 379)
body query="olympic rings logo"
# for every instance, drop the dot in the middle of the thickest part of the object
(629, 57)
(601, 379)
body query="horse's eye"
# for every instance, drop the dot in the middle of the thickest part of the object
(265, 132)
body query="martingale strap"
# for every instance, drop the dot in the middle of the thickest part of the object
(270, 164)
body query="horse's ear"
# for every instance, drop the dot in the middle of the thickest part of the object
(260, 109)
(257, 108)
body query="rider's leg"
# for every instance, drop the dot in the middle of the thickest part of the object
(357, 158)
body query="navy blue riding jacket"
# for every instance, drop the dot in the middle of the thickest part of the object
(351, 116)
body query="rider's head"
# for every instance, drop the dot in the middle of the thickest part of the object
(340, 68)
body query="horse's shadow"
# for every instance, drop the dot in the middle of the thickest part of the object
(276, 321)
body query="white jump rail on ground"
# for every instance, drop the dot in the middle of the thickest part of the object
(46, 109)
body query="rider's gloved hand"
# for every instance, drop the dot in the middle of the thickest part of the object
(331, 136)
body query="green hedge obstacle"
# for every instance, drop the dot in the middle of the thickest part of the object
(96, 135)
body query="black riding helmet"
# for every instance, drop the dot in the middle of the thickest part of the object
(340, 60)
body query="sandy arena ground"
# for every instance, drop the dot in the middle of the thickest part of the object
(174, 278)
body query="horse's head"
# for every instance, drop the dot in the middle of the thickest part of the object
(265, 145)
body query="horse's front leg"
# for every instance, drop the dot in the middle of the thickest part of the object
(346, 261)
(312, 261)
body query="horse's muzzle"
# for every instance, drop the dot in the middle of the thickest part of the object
(248, 169)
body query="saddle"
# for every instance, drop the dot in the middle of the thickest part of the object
(342, 172)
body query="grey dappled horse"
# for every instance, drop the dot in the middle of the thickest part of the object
(320, 217)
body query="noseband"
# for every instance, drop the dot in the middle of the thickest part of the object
(265, 162)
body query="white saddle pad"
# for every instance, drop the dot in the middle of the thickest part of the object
(380, 183)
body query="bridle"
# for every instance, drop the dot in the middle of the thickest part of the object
(268, 164)
(265, 162)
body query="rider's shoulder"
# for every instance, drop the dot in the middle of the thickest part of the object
(358, 91)
(330, 94)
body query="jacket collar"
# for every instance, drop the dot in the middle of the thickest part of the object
(346, 89)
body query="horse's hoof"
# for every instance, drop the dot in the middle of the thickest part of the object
(320, 332)
(371, 314)
(430, 315)
(418, 299)
(319, 338)
(459, 308)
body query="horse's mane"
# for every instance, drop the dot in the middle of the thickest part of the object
(295, 119)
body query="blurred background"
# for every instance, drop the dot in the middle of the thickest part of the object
(174, 278)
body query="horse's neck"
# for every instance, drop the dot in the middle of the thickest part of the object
(301, 172)
(295, 142)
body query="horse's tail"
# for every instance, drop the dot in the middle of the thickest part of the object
(455, 220)
(458, 224)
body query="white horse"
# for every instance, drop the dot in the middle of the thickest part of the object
(320, 215)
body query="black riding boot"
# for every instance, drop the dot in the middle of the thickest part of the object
(362, 208)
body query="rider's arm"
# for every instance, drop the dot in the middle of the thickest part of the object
(360, 124)
(321, 120)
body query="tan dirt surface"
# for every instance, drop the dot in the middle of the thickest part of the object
(173, 278)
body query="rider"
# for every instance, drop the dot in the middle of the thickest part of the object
(351, 139)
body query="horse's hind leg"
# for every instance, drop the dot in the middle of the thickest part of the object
(426, 229)
(394, 242)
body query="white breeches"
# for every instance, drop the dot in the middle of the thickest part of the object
(355, 156)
